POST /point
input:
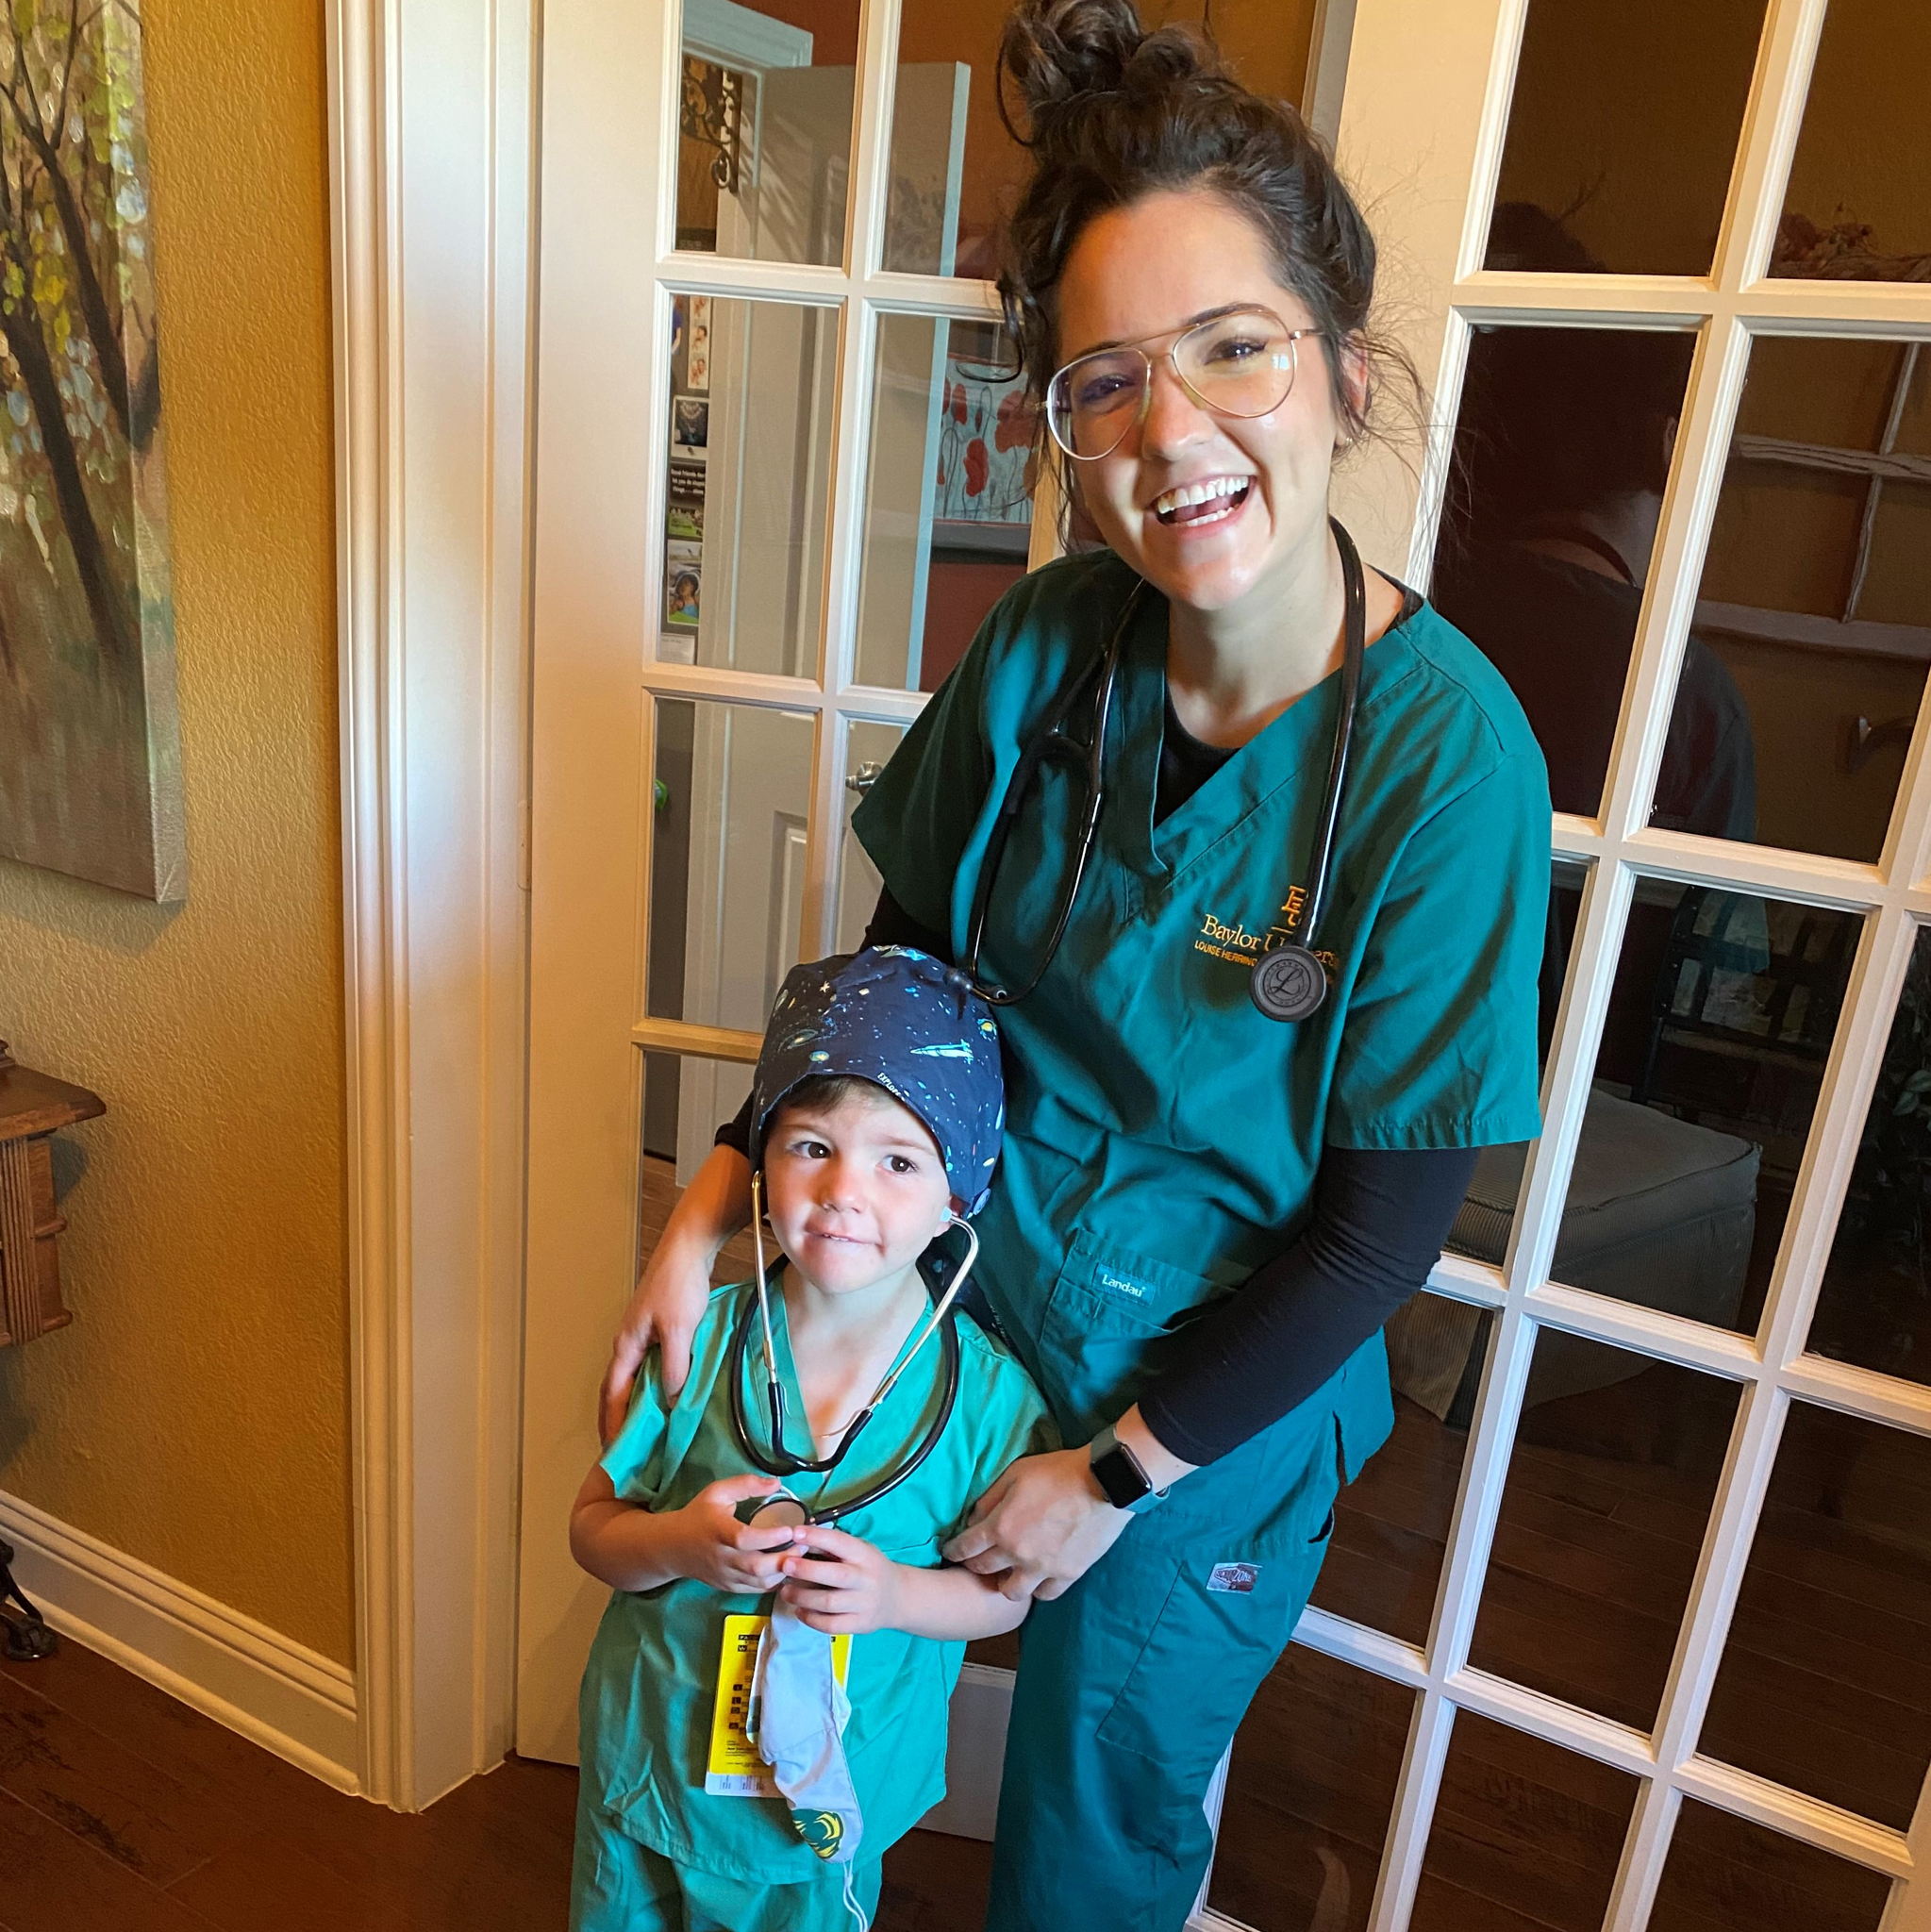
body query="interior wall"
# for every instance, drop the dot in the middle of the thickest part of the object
(195, 1414)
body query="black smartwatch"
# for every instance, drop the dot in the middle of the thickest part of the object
(1118, 1472)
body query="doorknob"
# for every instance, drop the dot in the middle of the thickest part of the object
(865, 777)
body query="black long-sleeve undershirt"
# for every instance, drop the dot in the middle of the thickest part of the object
(1378, 1223)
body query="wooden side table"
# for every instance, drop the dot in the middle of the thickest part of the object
(32, 1107)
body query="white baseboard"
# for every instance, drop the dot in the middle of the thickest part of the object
(274, 1691)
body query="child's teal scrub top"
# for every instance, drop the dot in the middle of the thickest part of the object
(1162, 1135)
(651, 1682)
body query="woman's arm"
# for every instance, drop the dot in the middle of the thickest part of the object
(1379, 1222)
(1380, 1218)
(675, 1285)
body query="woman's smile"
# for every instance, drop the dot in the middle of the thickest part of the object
(1202, 505)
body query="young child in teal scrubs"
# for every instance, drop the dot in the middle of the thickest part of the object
(827, 1648)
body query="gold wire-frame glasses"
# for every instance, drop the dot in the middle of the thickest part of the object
(1239, 362)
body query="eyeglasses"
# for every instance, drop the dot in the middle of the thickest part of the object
(1241, 363)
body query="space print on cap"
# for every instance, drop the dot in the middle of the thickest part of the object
(910, 1023)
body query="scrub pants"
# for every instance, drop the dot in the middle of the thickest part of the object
(618, 1885)
(1130, 1688)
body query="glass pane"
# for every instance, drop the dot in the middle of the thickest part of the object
(1726, 1874)
(765, 142)
(1391, 1522)
(668, 1162)
(747, 472)
(1858, 206)
(1813, 624)
(1310, 1795)
(1712, 1052)
(733, 796)
(1604, 88)
(947, 518)
(1524, 1835)
(1824, 1684)
(1875, 1305)
(1561, 452)
(1608, 1494)
(956, 172)
(868, 749)
(1482, 1229)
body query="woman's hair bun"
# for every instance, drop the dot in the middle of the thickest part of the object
(1060, 52)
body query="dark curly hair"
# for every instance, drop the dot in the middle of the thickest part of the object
(1113, 113)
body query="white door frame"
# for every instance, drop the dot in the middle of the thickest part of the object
(430, 151)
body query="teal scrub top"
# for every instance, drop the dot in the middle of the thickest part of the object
(651, 1681)
(1162, 1135)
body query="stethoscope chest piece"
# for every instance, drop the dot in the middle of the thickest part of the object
(1288, 983)
(780, 1511)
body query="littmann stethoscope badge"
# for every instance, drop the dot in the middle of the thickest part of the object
(1288, 983)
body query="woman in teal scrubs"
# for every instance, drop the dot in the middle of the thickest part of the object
(1202, 1216)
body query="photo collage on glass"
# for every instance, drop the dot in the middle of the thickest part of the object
(685, 476)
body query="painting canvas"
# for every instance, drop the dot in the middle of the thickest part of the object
(89, 755)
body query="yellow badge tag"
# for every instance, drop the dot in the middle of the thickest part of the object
(734, 1769)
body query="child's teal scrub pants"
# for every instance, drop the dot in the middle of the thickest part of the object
(1163, 1139)
(618, 1885)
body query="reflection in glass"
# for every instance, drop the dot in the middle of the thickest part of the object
(1561, 454)
(868, 749)
(1726, 1874)
(1875, 1305)
(1824, 1684)
(1310, 1795)
(1859, 204)
(1816, 595)
(956, 173)
(1615, 1465)
(1720, 1021)
(1605, 90)
(765, 128)
(747, 481)
(1524, 1835)
(947, 517)
(1391, 1531)
(732, 800)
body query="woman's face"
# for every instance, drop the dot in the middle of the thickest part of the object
(1146, 271)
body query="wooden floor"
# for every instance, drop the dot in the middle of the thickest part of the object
(121, 1810)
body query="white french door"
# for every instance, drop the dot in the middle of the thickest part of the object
(1626, 1629)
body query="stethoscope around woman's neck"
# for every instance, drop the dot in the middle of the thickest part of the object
(1288, 982)
(779, 1462)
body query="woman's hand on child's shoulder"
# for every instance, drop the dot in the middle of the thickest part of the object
(843, 1585)
(718, 1549)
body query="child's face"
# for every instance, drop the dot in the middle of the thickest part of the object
(854, 1191)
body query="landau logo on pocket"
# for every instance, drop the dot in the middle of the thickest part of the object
(1235, 1579)
(1122, 1284)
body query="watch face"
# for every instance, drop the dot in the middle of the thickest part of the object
(1121, 1477)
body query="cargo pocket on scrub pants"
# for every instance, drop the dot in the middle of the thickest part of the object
(1227, 1615)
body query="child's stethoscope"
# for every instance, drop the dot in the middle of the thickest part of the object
(1289, 981)
(783, 1508)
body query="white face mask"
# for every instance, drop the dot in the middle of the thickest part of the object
(801, 1710)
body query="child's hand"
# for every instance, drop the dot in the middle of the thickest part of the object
(717, 1549)
(857, 1590)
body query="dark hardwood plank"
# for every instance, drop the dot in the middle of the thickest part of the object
(85, 1781)
(52, 1881)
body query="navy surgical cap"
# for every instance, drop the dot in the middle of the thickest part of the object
(916, 1028)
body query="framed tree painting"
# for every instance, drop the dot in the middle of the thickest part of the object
(90, 753)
